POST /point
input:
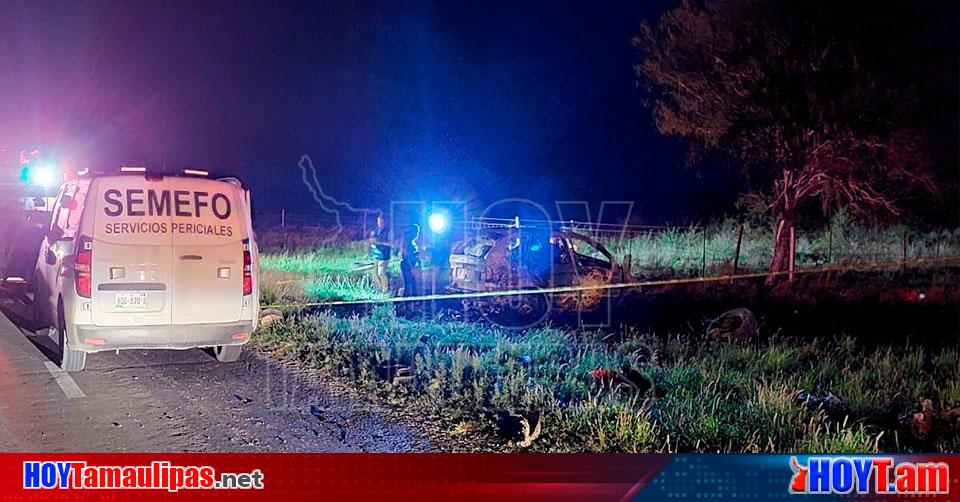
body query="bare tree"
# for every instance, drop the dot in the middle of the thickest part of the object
(804, 96)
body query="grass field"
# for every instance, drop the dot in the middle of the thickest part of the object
(826, 392)
(709, 396)
(323, 273)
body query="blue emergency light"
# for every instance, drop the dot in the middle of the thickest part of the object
(438, 222)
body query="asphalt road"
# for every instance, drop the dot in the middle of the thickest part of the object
(173, 401)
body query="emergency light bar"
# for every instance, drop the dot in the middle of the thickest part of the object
(133, 169)
(196, 172)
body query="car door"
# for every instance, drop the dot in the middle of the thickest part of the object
(131, 269)
(56, 245)
(208, 252)
(564, 267)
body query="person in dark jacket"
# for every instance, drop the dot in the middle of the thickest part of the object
(380, 254)
(410, 259)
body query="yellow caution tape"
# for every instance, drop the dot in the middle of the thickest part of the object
(625, 285)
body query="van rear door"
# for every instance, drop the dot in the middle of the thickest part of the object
(207, 232)
(132, 269)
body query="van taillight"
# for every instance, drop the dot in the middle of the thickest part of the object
(83, 267)
(247, 269)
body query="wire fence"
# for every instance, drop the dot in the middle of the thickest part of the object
(725, 247)
(619, 286)
(730, 248)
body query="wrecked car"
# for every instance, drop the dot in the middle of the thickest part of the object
(532, 259)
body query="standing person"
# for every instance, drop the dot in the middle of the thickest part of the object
(380, 254)
(409, 251)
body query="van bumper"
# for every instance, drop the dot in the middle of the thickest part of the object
(173, 336)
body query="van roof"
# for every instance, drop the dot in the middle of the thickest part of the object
(147, 174)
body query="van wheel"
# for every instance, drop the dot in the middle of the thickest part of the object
(227, 353)
(38, 318)
(70, 360)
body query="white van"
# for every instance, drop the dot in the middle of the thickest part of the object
(148, 261)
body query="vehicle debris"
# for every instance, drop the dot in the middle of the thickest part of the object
(396, 373)
(627, 380)
(929, 422)
(737, 325)
(269, 317)
(519, 428)
(830, 402)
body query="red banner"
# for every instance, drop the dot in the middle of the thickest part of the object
(293, 477)
(500, 477)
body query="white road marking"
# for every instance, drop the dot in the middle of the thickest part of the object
(65, 381)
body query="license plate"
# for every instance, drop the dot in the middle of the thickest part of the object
(131, 301)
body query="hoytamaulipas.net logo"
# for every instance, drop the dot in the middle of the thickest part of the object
(868, 475)
(159, 475)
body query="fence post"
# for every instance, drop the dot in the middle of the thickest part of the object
(904, 249)
(283, 217)
(736, 252)
(793, 252)
(830, 243)
(703, 256)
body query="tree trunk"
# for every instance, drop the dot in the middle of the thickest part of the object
(782, 242)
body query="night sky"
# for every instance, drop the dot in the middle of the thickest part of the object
(392, 100)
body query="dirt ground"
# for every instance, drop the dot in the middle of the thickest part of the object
(186, 401)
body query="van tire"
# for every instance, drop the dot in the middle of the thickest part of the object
(37, 316)
(227, 353)
(39, 320)
(70, 360)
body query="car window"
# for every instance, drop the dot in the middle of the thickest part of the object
(536, 252)
(478, 248)
(55, 214)
(561, 252)
(62, 211)
(55, 211)
(76, 207)
(584, 248)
